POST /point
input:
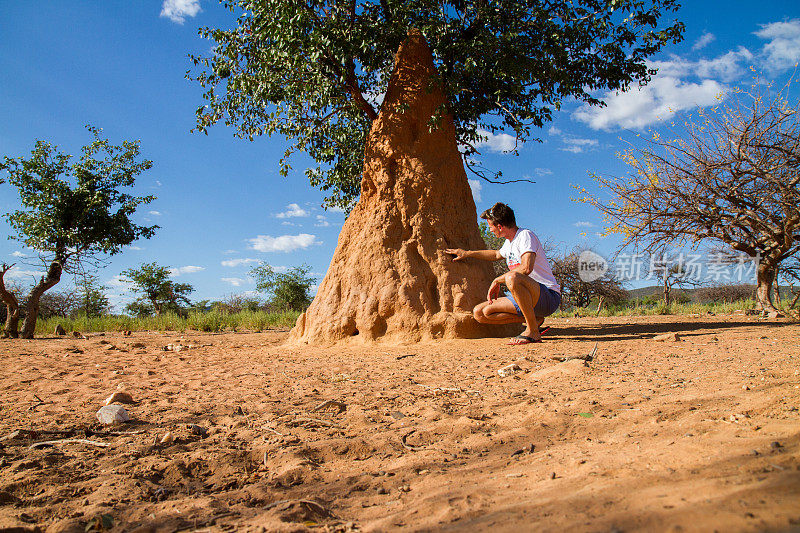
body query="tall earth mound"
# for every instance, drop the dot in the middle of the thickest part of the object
(389, 278)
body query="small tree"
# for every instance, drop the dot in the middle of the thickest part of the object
(92, 301)
(159, 294)
(74, 212)
(579, 293)
(732, 177)
(289, 290)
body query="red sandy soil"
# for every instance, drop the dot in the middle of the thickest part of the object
(699, 434)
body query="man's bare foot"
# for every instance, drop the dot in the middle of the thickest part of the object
(523, 339)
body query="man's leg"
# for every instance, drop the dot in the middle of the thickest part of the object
(526, 292)
(501, 311)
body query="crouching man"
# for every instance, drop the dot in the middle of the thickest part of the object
(534, 292)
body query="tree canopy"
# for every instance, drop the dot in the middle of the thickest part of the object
(158, 292)
(73, 212)
(314, 71)
(289, 289)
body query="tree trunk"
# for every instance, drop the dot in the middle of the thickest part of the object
(32, 310)
(667, 289)
(777, 288)
(765, 276)
(12, 308)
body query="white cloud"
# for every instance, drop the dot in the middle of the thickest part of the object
(783, 49)
(577, 145)
(500, 142)
(236, 282)
(18, 254)
(117, 282)
(703, 41)
(154, 213)
(322, 222)
(135, 248)
(284, 243)
(644, 105)
(178, 10)
(292, 210)
(583, 224)
(238, 262)
(18, 273)
(336, 209)
(542, 171)
(188, 269)
(476, 187)
(726, 67)
(286, 223)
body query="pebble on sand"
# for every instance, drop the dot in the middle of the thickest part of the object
(508, 370)
(667, 337)
(119, 397)
(113, 414)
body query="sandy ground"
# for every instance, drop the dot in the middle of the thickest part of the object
(699, 434)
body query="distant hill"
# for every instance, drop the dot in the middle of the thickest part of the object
(692, 293)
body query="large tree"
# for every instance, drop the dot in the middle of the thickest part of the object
(315, 71)
(731, 177)
(74, 212)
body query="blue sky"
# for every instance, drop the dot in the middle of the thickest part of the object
(222, 206)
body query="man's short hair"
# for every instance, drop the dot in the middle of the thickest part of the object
(500, 214)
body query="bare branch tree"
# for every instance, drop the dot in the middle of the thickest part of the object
(730, 176)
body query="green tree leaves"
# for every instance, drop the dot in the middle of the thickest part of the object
(289, 290)
(311, 70)
(159, 294)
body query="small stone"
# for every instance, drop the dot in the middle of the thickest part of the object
(126, 333)
(667, 337)
(119, 397)
(382, 490)
(405, 488)
(745, 387)
(168, 438)
(113, 414)
(552, 475)
(197, 430)
(775, 445)
(508, 370)
(397, 415)
(60, 330)
(138, 345)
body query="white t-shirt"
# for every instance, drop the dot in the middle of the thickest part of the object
(526, 241)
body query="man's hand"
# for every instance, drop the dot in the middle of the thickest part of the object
(457, 252)
(494, 290)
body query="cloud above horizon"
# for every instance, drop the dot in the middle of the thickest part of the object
(292, 210)
(238, 262)
(188, 269)
(476, 187)
(284, 243)
(178, 10)
(496, 142)
(684, 83)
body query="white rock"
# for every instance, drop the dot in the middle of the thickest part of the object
(168, 438)
(113, 414)
(508, 370)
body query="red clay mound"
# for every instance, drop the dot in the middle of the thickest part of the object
(389, 278)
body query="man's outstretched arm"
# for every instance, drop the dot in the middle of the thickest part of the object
(486, 255)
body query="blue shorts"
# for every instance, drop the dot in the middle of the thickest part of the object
(549, 301)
